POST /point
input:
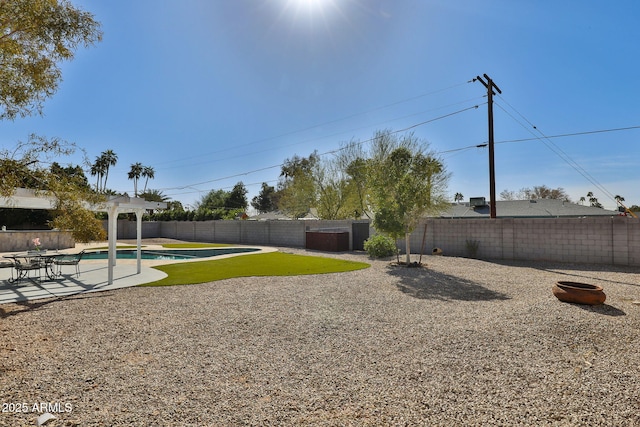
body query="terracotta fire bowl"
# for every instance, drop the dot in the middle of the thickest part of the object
(579, 293)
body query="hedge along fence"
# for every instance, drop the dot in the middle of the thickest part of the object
(601, 240)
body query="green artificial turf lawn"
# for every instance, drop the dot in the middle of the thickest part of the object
(194, 245)
(269, 264)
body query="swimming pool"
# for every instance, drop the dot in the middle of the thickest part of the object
(167, 254)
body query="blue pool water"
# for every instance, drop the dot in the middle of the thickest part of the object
(167, 254)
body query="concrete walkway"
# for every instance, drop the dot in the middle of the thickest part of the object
(93, 278)
(93, 275)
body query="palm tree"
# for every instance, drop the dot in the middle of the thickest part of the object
(147, 172)
(593, 201)
(154, 196)
(98, 169)
(134, 174)
(109, 159)
(458, 197)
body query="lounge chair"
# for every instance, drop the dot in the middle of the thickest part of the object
(72, 259)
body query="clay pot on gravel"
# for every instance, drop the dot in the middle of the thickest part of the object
(579, 293)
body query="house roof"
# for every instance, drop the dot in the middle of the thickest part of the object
(538, 208)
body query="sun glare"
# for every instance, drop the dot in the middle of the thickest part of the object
(312, 4)
(310, 7)
(320, 19)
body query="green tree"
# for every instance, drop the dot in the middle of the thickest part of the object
(296, 188)
(458, 197)
(214, 199)
(73, 173)
(215, 205)
(23, 167)
(593, 200)
(544, 192)
(358, 184)
(134, 174)
(100, 168)
(154, 196)
(148, 173)
(336, 198)
(406, 183)
(265, 201)
(237, 198)
(108, 159)
(35, 36)
(537, 192)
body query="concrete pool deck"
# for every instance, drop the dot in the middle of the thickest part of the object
(93, 276)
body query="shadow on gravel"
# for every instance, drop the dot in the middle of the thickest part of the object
(603, 309)
(26, 306)
(427, 284)
(573, 271)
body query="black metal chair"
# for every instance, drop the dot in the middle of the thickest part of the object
(23, 268)
(72, 259)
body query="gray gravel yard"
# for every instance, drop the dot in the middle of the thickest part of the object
(461, 342)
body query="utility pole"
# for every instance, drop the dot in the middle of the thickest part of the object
(490, 85)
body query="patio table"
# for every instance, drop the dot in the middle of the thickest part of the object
(33, 260)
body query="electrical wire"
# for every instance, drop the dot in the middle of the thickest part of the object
(236, 146)
(563, 135)
(323, 137)
(580, 170)
(321, 154)
(557, 150)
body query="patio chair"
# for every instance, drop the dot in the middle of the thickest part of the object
(72, 259)
(23, 268)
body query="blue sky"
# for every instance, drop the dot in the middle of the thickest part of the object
(212, 92)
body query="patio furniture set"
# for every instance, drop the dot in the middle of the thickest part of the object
(40, 265)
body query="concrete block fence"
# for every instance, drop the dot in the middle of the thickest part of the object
(18, 241)
(607, 240)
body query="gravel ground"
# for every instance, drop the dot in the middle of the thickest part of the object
(457, 342)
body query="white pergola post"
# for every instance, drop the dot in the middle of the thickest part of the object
(113, 237)
(139, 213)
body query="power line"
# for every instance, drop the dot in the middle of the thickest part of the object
(321, 154)
(325, 136)
(562, 135)
(235, 146)
(469, 147)
(558, 151)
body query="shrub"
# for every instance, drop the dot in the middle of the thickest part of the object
(380, 246)
(472, 248)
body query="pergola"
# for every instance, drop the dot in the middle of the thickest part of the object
(24, 198)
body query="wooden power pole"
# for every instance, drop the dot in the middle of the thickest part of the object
(490, 85)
